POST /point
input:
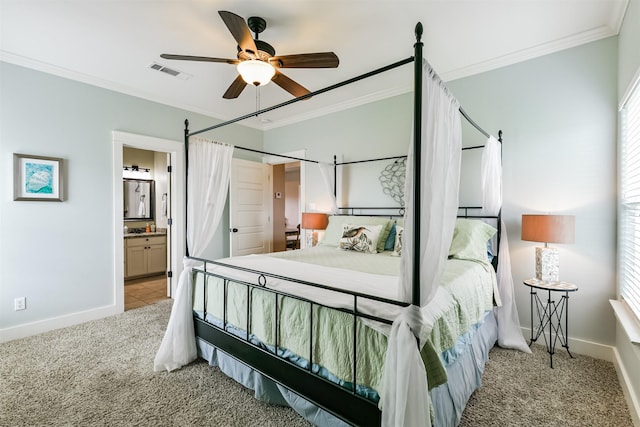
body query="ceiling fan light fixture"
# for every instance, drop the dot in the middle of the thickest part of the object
(256, 72)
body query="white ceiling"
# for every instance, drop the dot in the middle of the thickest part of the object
(111, 44)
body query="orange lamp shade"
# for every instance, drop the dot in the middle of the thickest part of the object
(314, 221)
(548, 228)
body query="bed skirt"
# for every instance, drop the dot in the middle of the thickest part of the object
(464, 371)
(265, 389)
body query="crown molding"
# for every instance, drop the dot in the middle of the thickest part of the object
(55, 70)
(574, 40)
(597, 33)
(352, 103)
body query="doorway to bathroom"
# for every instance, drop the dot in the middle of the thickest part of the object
(146, 192)
(147, 251)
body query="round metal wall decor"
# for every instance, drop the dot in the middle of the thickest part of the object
(392, 180)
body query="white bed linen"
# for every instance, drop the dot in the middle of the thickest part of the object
(383, 286)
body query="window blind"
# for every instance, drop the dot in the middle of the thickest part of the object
(629, 231)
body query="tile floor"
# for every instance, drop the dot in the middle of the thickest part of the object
(145, 291)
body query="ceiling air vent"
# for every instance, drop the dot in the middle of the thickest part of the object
(170, 71)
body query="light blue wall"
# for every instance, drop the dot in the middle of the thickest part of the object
(383, 129)
(60, 255)
(558, 114)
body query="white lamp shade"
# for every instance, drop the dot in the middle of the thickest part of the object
(256, 72)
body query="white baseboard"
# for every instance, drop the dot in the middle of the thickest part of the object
(28, 329)
(578, 346)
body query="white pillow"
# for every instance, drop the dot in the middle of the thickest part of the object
(333, 233)
(360, 238)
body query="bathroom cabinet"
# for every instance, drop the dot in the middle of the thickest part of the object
(145, 255)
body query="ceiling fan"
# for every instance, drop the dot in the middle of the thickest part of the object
(257, 61)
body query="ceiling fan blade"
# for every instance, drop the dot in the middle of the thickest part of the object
(240, 31)
(306, 60)
(289, 85)
(198, 58)
(235, 89)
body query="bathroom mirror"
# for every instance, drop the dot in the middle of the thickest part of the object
(139, 199)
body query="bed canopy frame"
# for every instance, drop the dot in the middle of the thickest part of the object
(417, 138)
(343, 403)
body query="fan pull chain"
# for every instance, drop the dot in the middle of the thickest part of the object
(257, 99)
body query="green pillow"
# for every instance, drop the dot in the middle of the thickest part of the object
(470, 238)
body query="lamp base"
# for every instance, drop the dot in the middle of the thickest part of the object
(312, 238)
(547, 264)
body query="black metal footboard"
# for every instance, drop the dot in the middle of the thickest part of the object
(325, 394)
(345, 403)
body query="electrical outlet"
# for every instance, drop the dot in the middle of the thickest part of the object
(20, 303)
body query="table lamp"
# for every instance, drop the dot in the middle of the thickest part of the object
(548, 229)
(314, 221)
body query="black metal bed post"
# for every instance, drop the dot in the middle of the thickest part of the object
(417, 150)
(335, 177)
(186, 183)
(499, 227)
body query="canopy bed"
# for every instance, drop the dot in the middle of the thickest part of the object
(362, 335)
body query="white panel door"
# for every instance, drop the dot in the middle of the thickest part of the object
(250, 208)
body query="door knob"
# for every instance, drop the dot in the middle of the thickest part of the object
(235, 230)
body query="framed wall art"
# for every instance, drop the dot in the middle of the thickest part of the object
(37, 178)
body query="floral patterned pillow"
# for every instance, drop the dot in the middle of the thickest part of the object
(397, 248)
(360, 238)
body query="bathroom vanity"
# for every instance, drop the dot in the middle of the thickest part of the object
(145, 254)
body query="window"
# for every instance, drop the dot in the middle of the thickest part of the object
(629, 231)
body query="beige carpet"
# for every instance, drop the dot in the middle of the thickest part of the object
(521, 389)
(100, 374)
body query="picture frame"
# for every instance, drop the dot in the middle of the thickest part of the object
(37, 178)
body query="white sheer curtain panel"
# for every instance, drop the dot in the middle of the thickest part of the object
(491, 176)
(440, 178)
(329, 179)
(404, 387)
(509, 332)
(208, 183)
